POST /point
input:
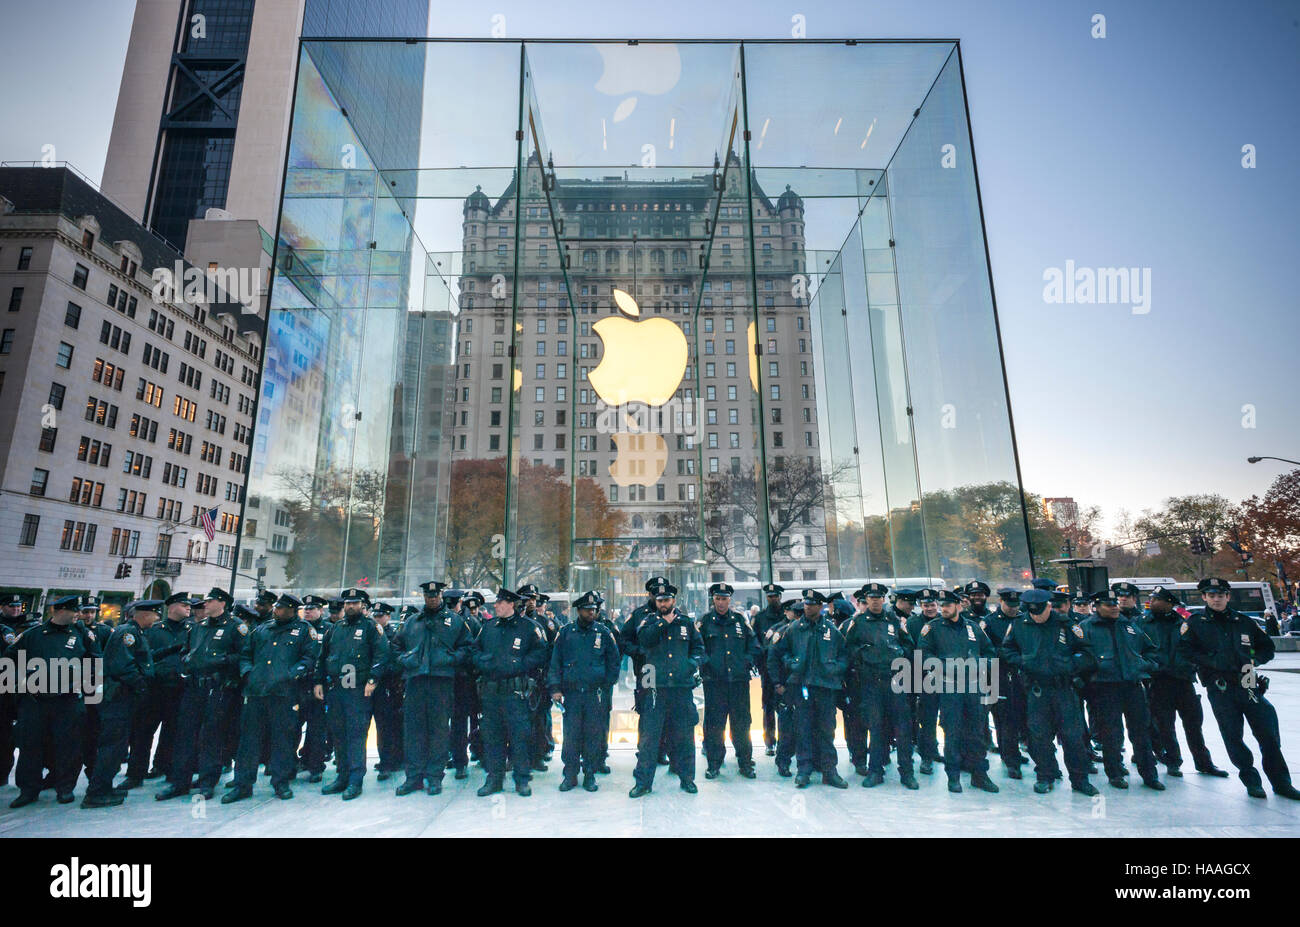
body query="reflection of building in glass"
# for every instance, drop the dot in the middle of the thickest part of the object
(707, 430)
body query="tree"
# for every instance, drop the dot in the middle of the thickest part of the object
(1270, 528)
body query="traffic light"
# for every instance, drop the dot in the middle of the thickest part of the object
(123, 570)
(1201, 545)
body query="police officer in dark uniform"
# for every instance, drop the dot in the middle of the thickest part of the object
(507, 654)
(925, 704)
(462, 702)
(1125, 658)
(1226, 647)
(128, 670)
(786, 727)
(386, 703)
(474, 617)
(277, 657)
(604, 620)
(1009, 709)
(264, 605)
(353, 656)
(877, 643)
(315, 749)
(673, 652)
(957, 642)
(52, 714)
(584, 665)
(813, 661)
(839, 611)
(429, 648)
(633, 649)
(731, 650)
(764, 621)
(209, 705)
(543, 740)
(88, 616)
(1171, 691)
(1050, 651)
(13, 622)
(167, 639)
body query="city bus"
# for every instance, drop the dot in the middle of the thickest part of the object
(1250, 598)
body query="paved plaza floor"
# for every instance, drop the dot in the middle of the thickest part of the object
(1194, 806)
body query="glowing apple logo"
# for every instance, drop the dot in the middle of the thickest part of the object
(641, 361)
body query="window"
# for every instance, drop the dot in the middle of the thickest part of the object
(7, 342)
(24, 258)
(64, 358)
(15, 299)
(27, 537)
(48, 437)
(79, 276)
(40, 479)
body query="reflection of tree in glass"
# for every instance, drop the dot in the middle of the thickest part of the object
(316, 504)
(540, 548)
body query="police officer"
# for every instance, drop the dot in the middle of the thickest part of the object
(386, 703)
(543, 739)
(786, 727)
(730, 652)
(877, 643)
(158, 706)
(316, 734)
(8, 702)
(1050, 651)
(277, 656)
(1009, 709)
(840, 611)
(956, 641)
(264, 605)
(1171, 691)
(603, 619)
(633, 649)
(813, 660)
(673, 652)
(429, 648)
(352, 659)
(474, 617)
(53, 713)
(925, 704)
(464, 697)
(764, 621)
(584, 664)
(209, 705)
(1125, 658)
(128, 670)
(101, 631)
(1226, 647)
(508, 652)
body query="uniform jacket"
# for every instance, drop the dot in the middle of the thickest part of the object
(960, 639)
(583, 657)
(1122, 652)
(128, 664)
(1171, 662)
(1222, 644)
(214, 648)
(1055, 651)
(810, 653)
(166, 633)
(49, 641)
(874, 642)
(508, 647)
(277, 656)
(433, 644)
(356, 642)
(674, 649)
(767, 619)
(731, 648)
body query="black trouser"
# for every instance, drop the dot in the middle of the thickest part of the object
(61, 720)
(426, 725)
(667, 721)
(925, 711)
(964, 719)
(727, 702)
(1053, 711)
(887, 717)
(1167, 698)
(787, 741)
(159, 708)
(814, 718)
(204, 719)
(604, 725)
(115, 718)
(506, 720)
(464, 710)
(315, 738)
(769, 708)
(1116, 705)
(1233, 708)
(543, 737)
(268, 719)
(855, 732)
(1009, 716)
(586, 714)
(8, 711)
(640, 698)
(90, 737)
(388, 710)
(348, 713)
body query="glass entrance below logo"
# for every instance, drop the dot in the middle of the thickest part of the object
(577, 313)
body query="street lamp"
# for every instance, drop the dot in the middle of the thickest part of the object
(1255, 460)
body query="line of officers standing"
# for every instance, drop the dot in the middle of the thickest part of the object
(449, 683)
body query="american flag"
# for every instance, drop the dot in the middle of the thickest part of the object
(209, 519)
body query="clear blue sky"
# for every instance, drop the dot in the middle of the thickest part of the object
(1124, 151)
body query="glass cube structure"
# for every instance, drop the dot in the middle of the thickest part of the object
(579, 313)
